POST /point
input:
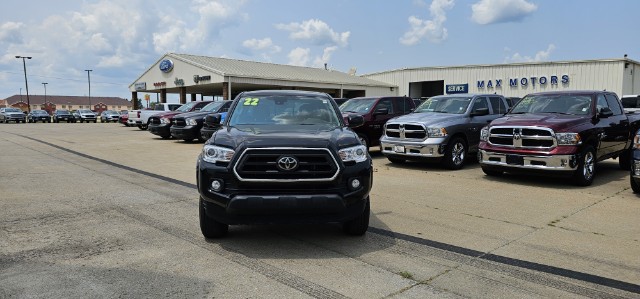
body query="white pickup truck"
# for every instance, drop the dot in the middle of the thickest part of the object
(140, 118)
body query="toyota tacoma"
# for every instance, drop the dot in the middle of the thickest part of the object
(284, 157)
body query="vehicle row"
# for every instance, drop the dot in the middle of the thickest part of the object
(60, 115)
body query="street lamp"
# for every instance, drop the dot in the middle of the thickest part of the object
(24, 66)
(89, 79)
(45, 92)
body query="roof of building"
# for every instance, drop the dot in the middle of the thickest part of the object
(505, 64)
(270, 71)
(67, 100)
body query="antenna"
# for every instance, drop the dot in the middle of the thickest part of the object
(352, 71)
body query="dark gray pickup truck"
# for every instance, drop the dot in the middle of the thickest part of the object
(445, 128)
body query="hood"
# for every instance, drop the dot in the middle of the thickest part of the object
(556, 122)
(14, 113)
(168, 114)
(196, 114)
(284, 136)
(426, 118)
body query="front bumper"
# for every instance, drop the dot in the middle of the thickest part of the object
(427, 148)
(186, 132)
(207, 132)
(538, 162)
(16, 117)
(283, 202)
(160, 130)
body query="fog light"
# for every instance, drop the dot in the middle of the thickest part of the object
(355, 184)
(431, 151)
(563, 162)
(636, 168)
(216, 185)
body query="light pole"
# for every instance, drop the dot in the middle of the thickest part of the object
(89, 79)
(24, 66)
(20, 94)
(45, 92)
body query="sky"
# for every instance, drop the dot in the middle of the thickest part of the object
(119, 39)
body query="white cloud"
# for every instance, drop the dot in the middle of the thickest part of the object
(542, 55)
(265, 44)
(299, 56)
(316, 32)
(501, 11)
(326, 56)
(433, 30)
(10, 32)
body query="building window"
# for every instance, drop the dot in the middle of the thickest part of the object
(63, 106)
(119, 107)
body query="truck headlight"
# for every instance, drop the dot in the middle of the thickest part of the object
(192, 122)
(356, 153)
(436, 132)
(165, 120)
(636, 140)
(568, 138)
(213, 154)
(484, 134)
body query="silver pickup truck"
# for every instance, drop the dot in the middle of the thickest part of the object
(444, 128)
(140, 118)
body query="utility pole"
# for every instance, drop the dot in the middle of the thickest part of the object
(89, 79)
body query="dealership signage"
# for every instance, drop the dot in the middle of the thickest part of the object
(197, 78)
(166, 65)
(533, 80)
(178, 82)
(140, 86)
(160, 84)
(457, 88)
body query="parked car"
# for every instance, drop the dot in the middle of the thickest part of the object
(160, 123)
(444, 128)
(631, 102)
(560, 132)
(12, 114)
(86, 115)
(376, 111)
(186, 126)
(634, 178)
(140, 118)
(285, 157)
(340, 101)
(38, 115)
(109, 116)
(512, 101)
(63, 115)
(124, 118)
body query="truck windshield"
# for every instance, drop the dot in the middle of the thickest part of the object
(359, 105)
(211, 107)
(630, 102)
(453, 105)
(564, 104)
(186, 107)
(284, 110)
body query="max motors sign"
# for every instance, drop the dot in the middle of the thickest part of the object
(525, 81)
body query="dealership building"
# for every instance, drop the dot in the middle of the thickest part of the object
(516, 79)
(192, 77)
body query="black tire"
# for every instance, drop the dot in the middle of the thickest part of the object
(492, 172)
(634, 186)
(364, 140)
(81, 121)
(209, 227)
(359, 225)
(624, 160)
(95, 121)
(586, 167)
(455, 154)
(396, 160)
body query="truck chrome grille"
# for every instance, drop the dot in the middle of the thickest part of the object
(522, 137)
(178, 122)
(406, 131)
(269, 164)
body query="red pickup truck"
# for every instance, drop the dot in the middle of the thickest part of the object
(563, 132)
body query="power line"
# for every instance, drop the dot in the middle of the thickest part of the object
(65, 79)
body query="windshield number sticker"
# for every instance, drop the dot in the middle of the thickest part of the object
(251, 101)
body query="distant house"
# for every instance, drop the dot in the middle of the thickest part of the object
(53, 103)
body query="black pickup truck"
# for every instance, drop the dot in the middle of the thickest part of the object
(563, 132)
(284, 157)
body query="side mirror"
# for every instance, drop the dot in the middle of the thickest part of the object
(480, 112)
(381, 111)
(605, 112)
(355, 120)
(213, 119)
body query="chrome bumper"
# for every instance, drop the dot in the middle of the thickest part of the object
(555, 163)
(430, 148)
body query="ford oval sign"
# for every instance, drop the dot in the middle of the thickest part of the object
(166, 65)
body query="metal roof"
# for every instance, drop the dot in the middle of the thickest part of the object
(271, 71)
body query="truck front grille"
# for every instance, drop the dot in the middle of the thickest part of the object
(286, 164)
(154, 120)
(522, 137)
(179, 122)
(406, 131)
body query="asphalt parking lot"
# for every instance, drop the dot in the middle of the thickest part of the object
(102, 210)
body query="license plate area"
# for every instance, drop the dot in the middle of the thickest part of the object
(515, 160)
(398, 148)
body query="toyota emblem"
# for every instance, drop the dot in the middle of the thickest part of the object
(287, 163)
